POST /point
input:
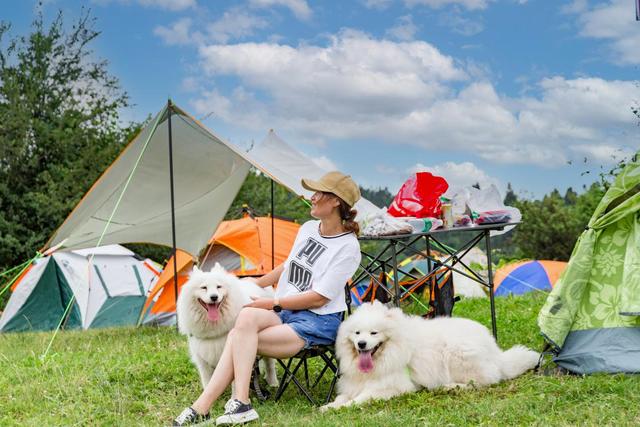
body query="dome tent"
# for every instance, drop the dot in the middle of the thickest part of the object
(591, 318)
(108, 286)
(525, 276)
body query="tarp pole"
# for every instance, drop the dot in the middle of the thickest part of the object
(273, 245)
(173, 213)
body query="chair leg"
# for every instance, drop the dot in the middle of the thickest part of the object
(291, 376)
(285, 378)
(336, 375)
(306, 371)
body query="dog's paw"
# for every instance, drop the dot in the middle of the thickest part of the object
(326, 407)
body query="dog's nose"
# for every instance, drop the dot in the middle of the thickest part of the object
(214, 298)
(362, 345)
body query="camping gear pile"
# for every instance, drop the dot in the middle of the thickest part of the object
(426, 202)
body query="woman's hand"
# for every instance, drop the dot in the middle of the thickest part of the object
(265, 303)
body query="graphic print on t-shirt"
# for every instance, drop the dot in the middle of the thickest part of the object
(311, 250)
(299, 276)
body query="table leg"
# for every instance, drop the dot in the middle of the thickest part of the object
(428, 242)
(394, 263)
(487, 238)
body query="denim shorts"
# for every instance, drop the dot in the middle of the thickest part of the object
(314, 329)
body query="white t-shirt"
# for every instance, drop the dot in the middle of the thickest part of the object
(322, 264)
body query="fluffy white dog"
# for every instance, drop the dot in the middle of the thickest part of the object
(207, 308)
(384, 353)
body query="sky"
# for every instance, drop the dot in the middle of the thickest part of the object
(534, 93)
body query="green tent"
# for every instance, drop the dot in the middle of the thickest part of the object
(102, 287)
(592, 316)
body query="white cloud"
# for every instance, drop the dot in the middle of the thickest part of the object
(299, 8)
(437, 4)
(603, 153)
(235, 24)
(458, 175)
(404, 29)
(179, 33)
(461, 25)
(173, 5)
(377, 4)
(576, 6)
(614, 22)
(169, 4)
(411, 93)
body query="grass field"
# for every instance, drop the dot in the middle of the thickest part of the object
(143, 377)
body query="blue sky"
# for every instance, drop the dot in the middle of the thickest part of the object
(489, 91)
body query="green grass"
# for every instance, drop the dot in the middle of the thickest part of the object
(144, 377)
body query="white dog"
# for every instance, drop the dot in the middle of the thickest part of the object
(207, 309)
(384, 353)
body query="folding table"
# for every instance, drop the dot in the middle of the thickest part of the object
(394, 246)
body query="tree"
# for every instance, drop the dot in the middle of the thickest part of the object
(380, 196)
(59, 129)
(551, 226)
(510, 198)
(570, 197)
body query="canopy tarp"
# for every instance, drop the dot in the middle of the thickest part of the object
(207, 174)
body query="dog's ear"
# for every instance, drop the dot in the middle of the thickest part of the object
(195, 270)
(218, 267)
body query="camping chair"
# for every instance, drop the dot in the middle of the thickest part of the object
(327, 355)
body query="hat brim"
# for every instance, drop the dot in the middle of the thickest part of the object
(311, 185)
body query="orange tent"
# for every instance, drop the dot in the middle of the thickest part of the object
(162, 299)
(242, 246)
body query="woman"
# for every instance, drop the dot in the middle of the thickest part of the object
(308, 304)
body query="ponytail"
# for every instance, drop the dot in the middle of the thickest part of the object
(348, 216)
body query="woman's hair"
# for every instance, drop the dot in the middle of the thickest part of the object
(347, 214)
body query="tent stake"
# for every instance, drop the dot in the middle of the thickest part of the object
(173, 213)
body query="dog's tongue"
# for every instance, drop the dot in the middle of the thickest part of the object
(213, 314)
(365, 361)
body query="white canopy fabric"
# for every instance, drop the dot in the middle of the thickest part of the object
(207, 174)
(287, 166)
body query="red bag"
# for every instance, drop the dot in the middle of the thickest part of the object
(419, 196)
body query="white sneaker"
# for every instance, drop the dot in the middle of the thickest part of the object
(237, 412)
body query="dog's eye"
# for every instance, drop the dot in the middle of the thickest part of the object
(357, 332)
(219, 287)
(374, 332)
(203, 287)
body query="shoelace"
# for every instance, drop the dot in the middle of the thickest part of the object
(233, 406)
(185, 415)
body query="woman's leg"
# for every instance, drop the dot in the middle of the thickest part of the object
(220, 380)
(225, 369)
(249, 324)
(279, 342)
